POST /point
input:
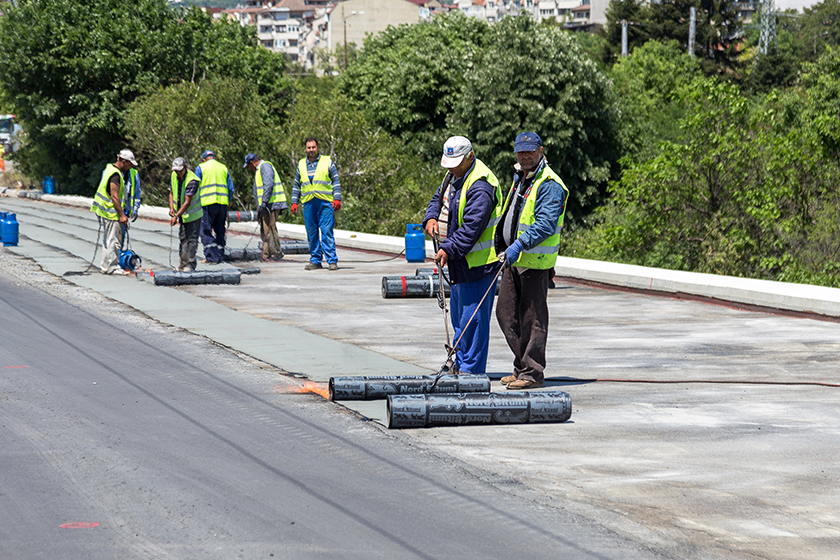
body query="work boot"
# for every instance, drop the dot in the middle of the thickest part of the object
(312, 266)
(333, 266)
(524, 384)
(507, 380)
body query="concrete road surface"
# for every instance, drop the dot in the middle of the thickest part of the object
(698, 431)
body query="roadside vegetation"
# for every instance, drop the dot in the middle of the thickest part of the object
(724, 162)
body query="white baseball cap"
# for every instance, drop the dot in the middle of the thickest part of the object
(127, 155)
(454, 151)
(178, 164)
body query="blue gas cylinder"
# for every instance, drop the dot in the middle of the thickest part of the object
(48, 186)
(415, 243)
(10, 230)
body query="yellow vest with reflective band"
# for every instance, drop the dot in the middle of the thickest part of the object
(320, 186)
(544, 255)
(130, 187)
(102, 203)
(278, 192)
(213, 188)
(483, 251)
(194, 211)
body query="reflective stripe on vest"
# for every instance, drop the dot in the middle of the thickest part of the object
(320, 186)
(213, 188)
(194, 211)
(483, 252)
(544, 255)
(278, 192)
(102, 203)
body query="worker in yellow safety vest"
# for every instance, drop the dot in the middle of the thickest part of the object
(108, 206)
(270, 197)
(215, 190)
(185, 208)
(528, 240)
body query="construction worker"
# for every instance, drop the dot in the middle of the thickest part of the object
(529, 236)
(107, 205)
(270, 197)
(475, 199)
(215, 191)
(185, 208)
(131, 204)
(314, 176)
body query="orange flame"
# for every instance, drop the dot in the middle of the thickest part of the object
(320, 389)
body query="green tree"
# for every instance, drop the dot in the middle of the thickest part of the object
(71, 69)
(185, 119)
(409, 77)
(384, 186)
(535, 77)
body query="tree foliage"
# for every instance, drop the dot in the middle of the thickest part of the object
(71, 69)
(459, 75)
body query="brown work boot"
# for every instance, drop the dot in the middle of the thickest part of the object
(312, 266)
(507, 380)
(333, 266)
(524, 384)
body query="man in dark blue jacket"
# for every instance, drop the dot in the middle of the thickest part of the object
(474, 198)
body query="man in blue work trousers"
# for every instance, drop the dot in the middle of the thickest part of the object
(527, 240)
(319, 190)
(475, 200)
(215, 191)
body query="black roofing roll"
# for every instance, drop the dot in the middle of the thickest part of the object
(370, 388)
(430, 272)
(243, 216)
(521, 407)
(295, 247)
(175, 278)
(243, 253)
(412, 286)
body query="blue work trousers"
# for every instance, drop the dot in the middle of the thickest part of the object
(318, 215)
(213, 232)
(475, 343)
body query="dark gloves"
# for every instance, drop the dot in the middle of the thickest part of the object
(511, 254)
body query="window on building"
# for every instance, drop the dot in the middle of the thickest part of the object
(267, 44)
(265, 29)
(547, 13)
(280, 28)
(280, 42)
(294, 28)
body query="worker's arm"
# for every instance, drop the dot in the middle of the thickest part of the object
(114, 191)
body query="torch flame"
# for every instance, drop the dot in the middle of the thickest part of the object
(320, 389)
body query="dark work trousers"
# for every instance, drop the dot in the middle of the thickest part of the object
(188, 234)
(213, 232)
(522, 312)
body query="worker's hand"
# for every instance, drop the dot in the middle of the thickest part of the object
(134, 216)
(336, 205)
(171, 211)
(123, 219)
(511, 254)
(432, 227)
(441, 258)
(294, 208)
(262, 208)
(173, 221)
(135, 212)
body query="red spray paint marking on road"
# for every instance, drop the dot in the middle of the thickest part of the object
(80, 525)
(11, 367)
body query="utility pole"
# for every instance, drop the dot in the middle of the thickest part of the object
(624, 37)
(768, 26)
(692, 26)
(344, 19)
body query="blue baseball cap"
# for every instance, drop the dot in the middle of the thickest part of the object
(527, 142)
(207, 153)
(249, 158)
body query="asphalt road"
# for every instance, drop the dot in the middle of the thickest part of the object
(124, 438)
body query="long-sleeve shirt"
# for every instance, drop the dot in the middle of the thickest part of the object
(131, 204)
(549, 205)
(229, 180)
(267, 173)
(310, 170)
(478, 207)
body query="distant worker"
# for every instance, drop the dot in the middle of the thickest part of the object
(107, 205)
(319, 190)
(131, 204)
(475, 200)
(185, 208)
(270, 199)
(529, 236)
(215, 191)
